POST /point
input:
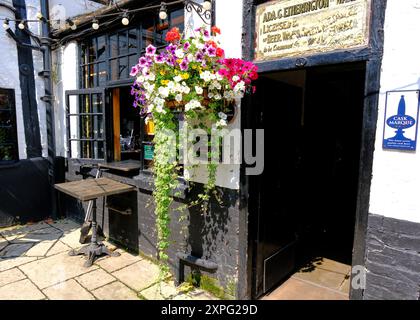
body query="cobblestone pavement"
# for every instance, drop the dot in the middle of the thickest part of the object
(35, 265)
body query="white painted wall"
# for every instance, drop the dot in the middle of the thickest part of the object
(9, 75)
(396, 175)
(65, 66)
(229, 20)
(71, 8)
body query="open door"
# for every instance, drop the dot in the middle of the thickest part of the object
(279, 108)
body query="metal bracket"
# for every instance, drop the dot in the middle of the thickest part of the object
(44, 73)
(47, 98)
(205, 15)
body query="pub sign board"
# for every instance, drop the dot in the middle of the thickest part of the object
(288, 28)
(401, 120)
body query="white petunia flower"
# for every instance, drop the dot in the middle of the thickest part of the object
(193, 104)
(151, 77)
(239, 87)
(186, 89)
(190, 57)
(206, 76)
(140, 79)
(163, 92)
(178, 79)
(150, 108)
(178, 97)
(222, 115)
(160, 109)
(199, 90)
(221, 123)
(180, 54)
(216, 85)
(235, 78)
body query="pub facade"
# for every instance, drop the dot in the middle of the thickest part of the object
(337, 98)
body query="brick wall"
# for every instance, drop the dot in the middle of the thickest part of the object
(392, 259)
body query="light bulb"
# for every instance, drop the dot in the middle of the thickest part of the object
(39, 16)
(73, 26)
(125, 21)
(163, 15)
(207, 5)
(6, 24)
(162, 12)
(21, 25)
(95, 24)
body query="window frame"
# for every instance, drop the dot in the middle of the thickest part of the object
(90, 93)
(13, 126)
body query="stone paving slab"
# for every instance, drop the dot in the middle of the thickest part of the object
(58, 247)
(199, 294)
(65, 225)
(55, 269)
(112, 264)
(40, 249)
(10, 276)
(95, 279)
(115, 291)
(69, 290)
(138, 276)
(3, 242)
(21, 290)
(34, 264)
(9, 263)
(45, 234)
(15, 250)
(160, 291)
(18, 231)
(71, 238)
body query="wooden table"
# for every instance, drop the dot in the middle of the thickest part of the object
(92, 189)
(126, 166)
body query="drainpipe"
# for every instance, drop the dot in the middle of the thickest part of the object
(48, 99)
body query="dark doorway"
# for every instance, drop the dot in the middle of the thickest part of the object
(305, 201)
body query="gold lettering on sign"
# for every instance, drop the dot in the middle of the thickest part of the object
(291, 28)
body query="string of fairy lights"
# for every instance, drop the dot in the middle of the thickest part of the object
(125, 15)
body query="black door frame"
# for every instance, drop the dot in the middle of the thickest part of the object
(372, 56)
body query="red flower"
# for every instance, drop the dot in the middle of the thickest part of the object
(173, 35)
(212, 43)
(220, 52)
(215, 30)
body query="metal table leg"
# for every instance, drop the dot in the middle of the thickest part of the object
(95, 248)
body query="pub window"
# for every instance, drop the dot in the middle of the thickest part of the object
(8, 131)
(86, 124)
(105, 62)
(108, 58)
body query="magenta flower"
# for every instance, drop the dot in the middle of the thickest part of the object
(134, 71)
(199, 57)
(142, 62)
(187, 45)
(160, 59)
(211, 51)
(184, 65)
(150, 50)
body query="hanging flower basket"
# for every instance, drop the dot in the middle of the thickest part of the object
(191, 76)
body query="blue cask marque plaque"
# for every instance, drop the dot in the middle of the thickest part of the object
(401, 118)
